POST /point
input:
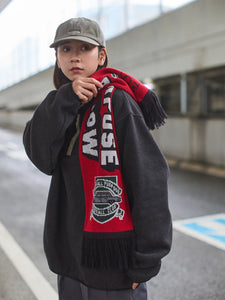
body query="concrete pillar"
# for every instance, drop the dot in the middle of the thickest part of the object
(183, 94)
(204, 100)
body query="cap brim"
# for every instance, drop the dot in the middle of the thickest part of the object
(78, 38)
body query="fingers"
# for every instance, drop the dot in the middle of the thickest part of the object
(97, 83)
(134, 285)
(86, 88)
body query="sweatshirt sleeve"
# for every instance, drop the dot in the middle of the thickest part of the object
(44, 134)
(145, 174)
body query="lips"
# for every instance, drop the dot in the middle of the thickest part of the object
(75, 69)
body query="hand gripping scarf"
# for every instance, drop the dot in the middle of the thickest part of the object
(108, 239)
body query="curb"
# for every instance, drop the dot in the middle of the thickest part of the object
(211, 170)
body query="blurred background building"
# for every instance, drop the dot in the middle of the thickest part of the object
(177, 46)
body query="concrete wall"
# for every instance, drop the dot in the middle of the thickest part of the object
(15, 120)
(183, 40)
(193, 139)
(29, 92)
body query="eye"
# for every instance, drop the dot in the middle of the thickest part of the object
(66, 48)
(85, 47)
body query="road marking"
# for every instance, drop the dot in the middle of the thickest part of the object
(209, 229)
(11, 145)
(13, 150)
(30, 274)
(20, 155)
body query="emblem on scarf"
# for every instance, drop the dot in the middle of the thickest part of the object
(106, 199)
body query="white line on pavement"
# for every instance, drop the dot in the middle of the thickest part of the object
(31, 275)
(209, 229)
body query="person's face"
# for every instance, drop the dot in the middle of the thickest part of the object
(79, 59)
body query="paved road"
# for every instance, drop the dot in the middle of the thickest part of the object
(194, 270)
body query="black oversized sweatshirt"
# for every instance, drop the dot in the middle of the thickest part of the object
(47, 138)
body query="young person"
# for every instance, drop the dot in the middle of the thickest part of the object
(107, 223)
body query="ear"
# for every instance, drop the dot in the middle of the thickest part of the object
(57, 61)
(102, 57)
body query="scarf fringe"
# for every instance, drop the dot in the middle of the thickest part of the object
(152, 110)
(108, 253)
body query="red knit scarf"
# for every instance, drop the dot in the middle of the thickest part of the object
(108, 231)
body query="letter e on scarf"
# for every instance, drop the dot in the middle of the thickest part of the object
(107, 121)
(109, 157)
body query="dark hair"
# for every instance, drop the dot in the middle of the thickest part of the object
(60, 79)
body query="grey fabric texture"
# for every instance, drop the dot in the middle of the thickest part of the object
(70, 289)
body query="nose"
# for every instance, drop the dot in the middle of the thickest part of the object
(75, 56)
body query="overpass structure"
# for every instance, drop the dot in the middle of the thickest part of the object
(183, 53)
(3, 4)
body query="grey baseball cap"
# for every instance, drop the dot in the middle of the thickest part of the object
(81, 29)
